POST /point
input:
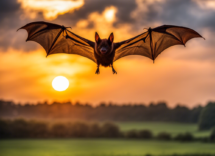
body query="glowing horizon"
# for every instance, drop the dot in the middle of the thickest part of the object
(180, 74)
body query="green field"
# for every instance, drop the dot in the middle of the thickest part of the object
(156, 127)
(114, 147)
(99, 147)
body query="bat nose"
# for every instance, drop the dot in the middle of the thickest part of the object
(103, 50)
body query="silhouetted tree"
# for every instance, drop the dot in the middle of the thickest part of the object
(5, 130)
(212, 136)
(22, 128)
(145, 134)
(59, 130)
(103, 112)
(110, 130)
(95, 131)
(79, 130)
(164, 136)
(184, 137)
(39, 129)
(132, 134)
(207, 117)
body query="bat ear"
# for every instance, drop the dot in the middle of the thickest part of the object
(110, 39)
(97, 38)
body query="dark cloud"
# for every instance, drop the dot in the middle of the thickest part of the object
(176, 12)
(123, 14)
(10, 14)
(180, 12)
(7, 9)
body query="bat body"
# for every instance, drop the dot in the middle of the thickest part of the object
(104, 52)
(59, 39)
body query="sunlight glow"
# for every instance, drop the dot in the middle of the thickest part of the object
(60, 83)
(109, 14)
(103, 23)
(206, 4)
(50, 8)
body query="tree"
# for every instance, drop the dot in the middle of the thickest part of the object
(207, 117)
(184, 137)
(212, 137)
(132, 134)
(145, 134)
(164, 136)
(59, 130)
(110, 130)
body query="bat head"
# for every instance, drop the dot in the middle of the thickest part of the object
(104, 46)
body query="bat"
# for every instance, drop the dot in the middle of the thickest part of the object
(55, 39)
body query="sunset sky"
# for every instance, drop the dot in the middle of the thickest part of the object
(180, 75)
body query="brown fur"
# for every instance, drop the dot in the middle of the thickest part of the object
(107, 58)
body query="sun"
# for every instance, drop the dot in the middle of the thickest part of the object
(60, 83)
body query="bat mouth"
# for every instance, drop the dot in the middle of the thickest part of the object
(103, 51)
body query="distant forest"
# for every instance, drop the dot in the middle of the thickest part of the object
(103, 112)
(19, 128)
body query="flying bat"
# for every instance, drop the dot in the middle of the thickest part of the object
(55, 38)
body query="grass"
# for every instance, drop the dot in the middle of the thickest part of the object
(99, 147)
(156, 127)
(117, 147)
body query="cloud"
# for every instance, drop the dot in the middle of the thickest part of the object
(103, 24)
(189, 13)
(50, 8)
(206, 4)
(11, 20)
(134, 15)
(179, 74)
(7, 10)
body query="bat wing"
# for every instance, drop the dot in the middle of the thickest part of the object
(155, 41)
(59, 39)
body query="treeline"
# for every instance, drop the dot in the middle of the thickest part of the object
(103, 112)
(19, 128)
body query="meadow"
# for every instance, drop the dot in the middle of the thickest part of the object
(100, 147)
(112, 147)
(171, 127)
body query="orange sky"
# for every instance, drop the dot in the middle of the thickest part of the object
(179, 75)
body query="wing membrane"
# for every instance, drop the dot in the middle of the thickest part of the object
(136, 46)
(155, 41)
(58, 39)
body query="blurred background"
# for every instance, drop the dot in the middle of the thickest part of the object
(165, 108)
